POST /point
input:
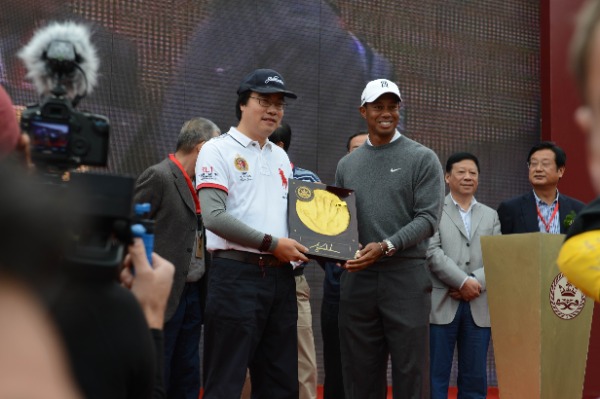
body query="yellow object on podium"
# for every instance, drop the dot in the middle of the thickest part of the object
(540, 322)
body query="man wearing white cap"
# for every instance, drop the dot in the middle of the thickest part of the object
(386, 292)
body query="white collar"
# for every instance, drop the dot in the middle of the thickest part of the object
(473, 202)
(397, 135)
(245, 140)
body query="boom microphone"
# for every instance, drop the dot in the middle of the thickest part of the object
(63, 64)
(62, 54)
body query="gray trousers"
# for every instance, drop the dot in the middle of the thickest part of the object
(385, 313)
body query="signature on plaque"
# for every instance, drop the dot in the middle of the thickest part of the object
(325, 247)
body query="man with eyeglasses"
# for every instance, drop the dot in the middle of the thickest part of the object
(385, 295)
(251, 311)
(542, 209)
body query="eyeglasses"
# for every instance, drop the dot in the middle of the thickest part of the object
(543, 165)
(381, 108)
(267, 103)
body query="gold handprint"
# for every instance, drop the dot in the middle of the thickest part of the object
(325, 213)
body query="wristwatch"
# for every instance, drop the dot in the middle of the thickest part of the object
(391, 249)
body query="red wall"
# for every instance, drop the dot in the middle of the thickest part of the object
(559, 94)
(559, 101)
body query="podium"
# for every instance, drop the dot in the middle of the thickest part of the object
(540, 322)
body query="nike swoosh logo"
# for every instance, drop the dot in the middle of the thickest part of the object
(394, 170)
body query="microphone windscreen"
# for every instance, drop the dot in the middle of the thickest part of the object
(79, 83)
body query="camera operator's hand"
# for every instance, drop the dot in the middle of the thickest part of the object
(24, 148)
(150, 285)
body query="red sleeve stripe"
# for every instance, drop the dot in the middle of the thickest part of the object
(212, 185)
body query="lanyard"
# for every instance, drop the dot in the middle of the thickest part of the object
(188, 181)
(549, 222)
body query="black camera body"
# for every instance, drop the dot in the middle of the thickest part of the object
(63, 137)
(63, 64)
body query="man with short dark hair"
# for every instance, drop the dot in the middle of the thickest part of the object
(356, 140)
(543, 209)
(174, 206)
(459, 311)
(386, 290)
(333, 384)
(282, 137)
(251, 309)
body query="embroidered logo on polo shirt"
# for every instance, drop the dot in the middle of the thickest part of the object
(208, 173)
(242, 166)
(240, 163)
(284, 182)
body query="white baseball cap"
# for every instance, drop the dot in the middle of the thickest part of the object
(376, 88)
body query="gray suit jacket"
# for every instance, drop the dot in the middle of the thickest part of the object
(172, 207)
(452, 256)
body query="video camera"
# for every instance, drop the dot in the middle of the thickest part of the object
(64, 137)
(63, 64)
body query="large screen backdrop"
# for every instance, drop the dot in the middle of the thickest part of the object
(468, 72)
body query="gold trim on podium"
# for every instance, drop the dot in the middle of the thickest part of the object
(540, 322)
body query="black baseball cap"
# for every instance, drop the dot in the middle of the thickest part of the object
(265, 81)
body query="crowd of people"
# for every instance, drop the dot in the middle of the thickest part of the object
(224, 259)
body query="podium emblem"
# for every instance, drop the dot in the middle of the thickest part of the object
(566, 300)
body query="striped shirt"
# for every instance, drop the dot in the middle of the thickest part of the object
(305, 175)
(546, 212)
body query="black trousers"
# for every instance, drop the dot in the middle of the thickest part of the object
(250, 322)
(333, 386)
(385, 313)
(182, 353)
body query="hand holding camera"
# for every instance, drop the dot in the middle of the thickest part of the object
(151, 285)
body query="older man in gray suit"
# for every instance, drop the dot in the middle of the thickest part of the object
(179, 237)
(459, 309)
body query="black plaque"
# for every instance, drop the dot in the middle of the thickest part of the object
(323, 219)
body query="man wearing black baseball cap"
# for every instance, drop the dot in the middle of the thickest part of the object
(265, 81)
(251, 309)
